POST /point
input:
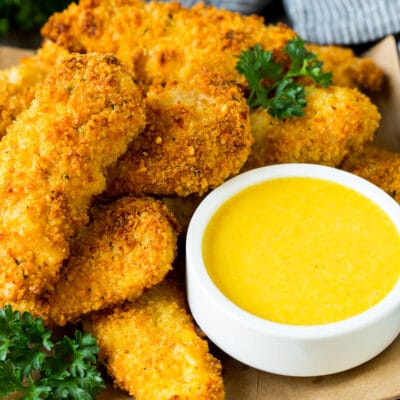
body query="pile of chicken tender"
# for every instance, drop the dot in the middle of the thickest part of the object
(112, 132)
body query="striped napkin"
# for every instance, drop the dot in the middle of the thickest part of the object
(344, 21)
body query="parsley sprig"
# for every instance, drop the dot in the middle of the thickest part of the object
(282, 95)
(33, 367)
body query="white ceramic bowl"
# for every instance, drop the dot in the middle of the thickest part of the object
(280, 348)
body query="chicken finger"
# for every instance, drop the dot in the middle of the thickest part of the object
(164, 41)
(337, 121)
(128, 246)
(197, 136)
(18, 83)
(152, 350)
(348, 69)
(377, 165)
(52, 163)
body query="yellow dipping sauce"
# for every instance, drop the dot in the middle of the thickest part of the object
(302, 251)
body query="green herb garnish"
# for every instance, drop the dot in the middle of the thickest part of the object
(283, 96)
(33, 367)
(27, 15)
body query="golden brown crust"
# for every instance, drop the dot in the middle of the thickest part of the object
(128, 246)
(163, 41)
(18, 83)
(53, 157)
(152, 350)
(337, 121)
(379, 166)
(197, 136)
(348, 69)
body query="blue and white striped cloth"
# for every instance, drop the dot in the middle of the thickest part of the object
(328, 21)
(343, 21)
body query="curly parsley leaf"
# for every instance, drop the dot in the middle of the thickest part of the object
(36, 368)
(274, 88)
(289, 100)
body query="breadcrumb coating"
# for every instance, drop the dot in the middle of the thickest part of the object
(152, 350)
(337, 121)
(128, 246)
(197, 136)
(164, 41)
(18, 83)
(348, 69)
(377, 165)
(52, 163)
(63, 261)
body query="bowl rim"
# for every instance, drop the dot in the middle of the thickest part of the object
(211, 203)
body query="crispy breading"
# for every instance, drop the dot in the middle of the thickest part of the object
(52, 164)
(337, 121)
(377, 165)
(163, 41)
(152, 350)
(197, 136)
(348, 69)
(18, 83)
(128, 246)
(35, 305)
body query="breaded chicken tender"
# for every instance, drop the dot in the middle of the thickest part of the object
(52, 164)
(197, 136)
(128, 246)
(377, 165)
(337, 121)
(348, 69)
(152, 350)
(163, 41)
(18, 83)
